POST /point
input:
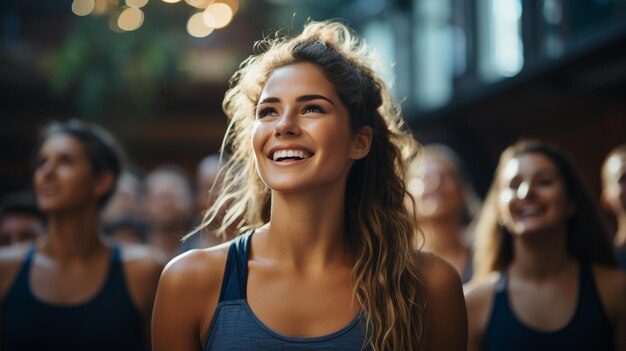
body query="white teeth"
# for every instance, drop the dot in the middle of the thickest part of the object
(531, 210)
(290, 153)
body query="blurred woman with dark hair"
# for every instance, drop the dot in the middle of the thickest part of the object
(445, 205)
(545, 269)
(71, 289)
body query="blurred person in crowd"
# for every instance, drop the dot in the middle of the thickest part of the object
(71, 289)
(614, 196)
(445, 204)
(317, 172)
(169, 206)
(20, 219)
(127, 200)
(206, 175)
(545, 268)
(131, 230)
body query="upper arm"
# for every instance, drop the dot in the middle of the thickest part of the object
(186, 298)
(446, 312)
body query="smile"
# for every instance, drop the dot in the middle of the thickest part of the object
(282, 155)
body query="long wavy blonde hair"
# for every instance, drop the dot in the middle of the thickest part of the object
(380, 230)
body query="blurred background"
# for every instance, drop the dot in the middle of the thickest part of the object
(474, 74)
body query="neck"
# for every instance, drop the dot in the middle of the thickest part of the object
(307, 231)
(72, 235)
(442, 236)
(540, 255)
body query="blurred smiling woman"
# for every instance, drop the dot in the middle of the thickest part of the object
(544, 263)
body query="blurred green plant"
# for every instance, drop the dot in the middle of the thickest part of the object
(108, 73)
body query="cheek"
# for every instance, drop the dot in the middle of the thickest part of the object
(504, 201)
(259, 137)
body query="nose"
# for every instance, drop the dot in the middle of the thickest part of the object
(432, 182)
(523, 191)
(287, 125)
(45, 169)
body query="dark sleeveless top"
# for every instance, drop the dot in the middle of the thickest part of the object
(109, 321)
(589, 328)
(235, 327)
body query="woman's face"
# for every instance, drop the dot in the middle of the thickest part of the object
(301, 136)
(532, 196)
(64, 178)
(437, 191)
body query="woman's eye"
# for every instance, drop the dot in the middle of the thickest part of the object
(67, 159)
(514, 185)
(40, 162)
(266, 111)
(545, 182)
(313, 109)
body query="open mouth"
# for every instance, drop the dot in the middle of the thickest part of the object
(528, 211)
(285, 155)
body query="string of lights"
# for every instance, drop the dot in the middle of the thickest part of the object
(127, 15)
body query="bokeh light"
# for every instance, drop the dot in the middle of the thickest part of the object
(218, 15)
(130, 19)
(197, 27)
(200, 4)
(83, 7)
(137, 3)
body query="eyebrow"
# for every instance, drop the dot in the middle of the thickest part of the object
(298, 99)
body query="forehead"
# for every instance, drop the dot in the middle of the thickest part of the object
(298, 79)
(616, 165)
(528, 164)
(62, 143)
(436, 164)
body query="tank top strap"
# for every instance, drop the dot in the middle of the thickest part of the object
(21, 281)
(502, 282)
(589, 298)
(236, 270)
(116, 270)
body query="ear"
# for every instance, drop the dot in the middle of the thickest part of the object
(361, 143)
(103, 183)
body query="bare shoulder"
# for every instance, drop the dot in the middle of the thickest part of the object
(197, 264)
(437, 274)
(141, 261)
(446, 311)
(195, 275)
(479, 297)
(11, 259)
(187, 297)
(480, 294)
(610, 277)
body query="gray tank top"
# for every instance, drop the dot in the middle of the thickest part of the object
(235, 327)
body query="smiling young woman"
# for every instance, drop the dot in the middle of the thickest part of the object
(544, 263)
(71, 289)
(318, 153)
